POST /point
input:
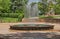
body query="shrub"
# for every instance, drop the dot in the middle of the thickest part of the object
(4, 14)
(20, 17)
(13, 15)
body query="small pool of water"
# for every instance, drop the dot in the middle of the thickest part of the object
(31, 25)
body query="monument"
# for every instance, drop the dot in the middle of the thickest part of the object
(29, 22)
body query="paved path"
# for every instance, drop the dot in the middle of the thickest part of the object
(30, 36)
(4, 28)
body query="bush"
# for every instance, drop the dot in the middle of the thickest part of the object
(4, 14)
(20, 17)
(13, 15)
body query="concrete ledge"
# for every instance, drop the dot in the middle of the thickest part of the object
(32, 19)
(51, 20)
(32, 27)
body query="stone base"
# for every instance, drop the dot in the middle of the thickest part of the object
(31, 27)
(33, 19)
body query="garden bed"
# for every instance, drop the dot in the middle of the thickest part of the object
(52, 19)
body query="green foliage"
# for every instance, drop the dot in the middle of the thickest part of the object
(20, 17)
(57, 7)
(58, 16)
(18, 6)
(8, 9)
(4, 6)
(49, 17)
(45, 6)
(43, 16)
(50, 5)
(7, 6)
(4, 14)
(7, 19)
(12, 15)
(26, 1)
(42, 7)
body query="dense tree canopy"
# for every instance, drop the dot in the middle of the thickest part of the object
(15, 6)
(4, 6)
(46, 5)
(42, 6)
(57, 7)
(12, 9)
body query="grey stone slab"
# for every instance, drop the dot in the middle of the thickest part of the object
(30, 36)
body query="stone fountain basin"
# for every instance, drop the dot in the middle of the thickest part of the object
(32, 27)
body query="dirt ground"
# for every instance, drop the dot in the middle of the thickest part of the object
(4, 28)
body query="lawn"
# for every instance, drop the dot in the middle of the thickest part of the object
(7, 19)
(55, 16)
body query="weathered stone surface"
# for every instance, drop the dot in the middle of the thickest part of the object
(32, 19)
(32, 27)
(30, 36)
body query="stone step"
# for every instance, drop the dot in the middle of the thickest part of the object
(33, 19)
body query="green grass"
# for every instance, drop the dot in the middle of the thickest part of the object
(7, 19)
(58, 16)
(42, 16)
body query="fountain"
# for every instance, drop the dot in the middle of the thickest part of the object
(30, 20)
(31, 14)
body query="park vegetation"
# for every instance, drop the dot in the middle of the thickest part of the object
(49, 8)
(13, 10)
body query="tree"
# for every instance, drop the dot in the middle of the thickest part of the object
(18, 6)
(57, 7)
(4, 6)
(42, 6)
(45, 6)
(15, 6)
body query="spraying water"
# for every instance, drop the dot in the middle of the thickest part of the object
(31, 11)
